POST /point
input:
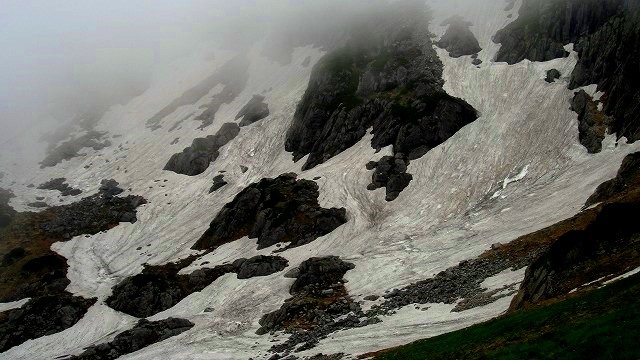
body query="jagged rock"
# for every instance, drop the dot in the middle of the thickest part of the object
(277, 210)
(592, 124)
(195, 159)
(218, 182)
(259, 266)
(233, 75)
(41, 316)
(159, 288)
(393, 87)
(627, 178)
(458, 40)
(609, 58)
(60, 185)
(543, 27)
(391, 173)
(6, 211)
(319, 274)
(256, 109)
(552, 75)
(142, 335)
(71, 148)
(476, 62)
(243, 169)
(110, 188)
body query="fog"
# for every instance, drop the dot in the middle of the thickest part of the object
(66, 58)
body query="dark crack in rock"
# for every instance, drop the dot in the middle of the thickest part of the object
(552, 75)
(392, 85)
(390, 172)
(71, 148)
(159, 288)
(256, 109)
(41, 316)
(593, 125)
(544, 27)
(458, 40)
(233, 75)
(145, 333)
(218, 182)
(280, 210)
(60, 185)
(195, 159)
(609, 58)
(38, 204)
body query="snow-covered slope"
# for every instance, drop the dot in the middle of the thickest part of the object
(516, 169)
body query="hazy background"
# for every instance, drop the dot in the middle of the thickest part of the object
(62, 58)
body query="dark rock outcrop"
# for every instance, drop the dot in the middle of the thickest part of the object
(390, 172)
(628, 177)
(142, 335)
(609, 246)
(6, 211)
(110, 188)
(392, 85)
(543, 27)
(458, 40)
(218, 182)
(71, 148)
(256, 109)
(60, 185)
(41, 316)
(277, 210)
(552, 75)
(592, 124)
(195, 159)
(609, 58)
(159, 288)
(233, 75)
(38, 204)
(317, 274)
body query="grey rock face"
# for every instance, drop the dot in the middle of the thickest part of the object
(543, 27)
(142, 335)
(41, 316)
(60, 185)
(71, 148)
(458, 40)
(628, 176)
(159, 288)
(195, 159)
(218, 182)
(256, 109)
(393, 87)
(592, 124)
(277, 210)
(552, 75)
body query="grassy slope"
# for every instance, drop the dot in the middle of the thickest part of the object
(601, 324)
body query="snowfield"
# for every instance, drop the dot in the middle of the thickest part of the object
(515, 170)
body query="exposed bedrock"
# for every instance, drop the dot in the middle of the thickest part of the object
(233, 75)
(256, 109)
(609, 246)
(60, 185)
(280, 210)
(71, 148)
(319, 305)
(159, 288)
(29, 267)
(41, 316)
(195, 159)
(552, 75)
(628, 178)
(6, 211)
(609, 58)
(458, 40)
(142, 335)
(392, 85)
(544, 27)
(593, 125)
(390, 172)
(218, 182)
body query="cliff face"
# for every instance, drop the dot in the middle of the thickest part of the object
(545, 26)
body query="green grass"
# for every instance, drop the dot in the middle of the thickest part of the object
(601, 324)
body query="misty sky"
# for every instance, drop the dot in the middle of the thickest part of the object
(64, 57)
